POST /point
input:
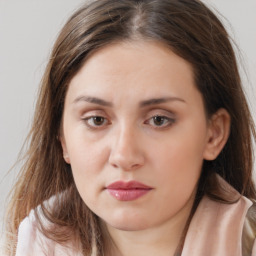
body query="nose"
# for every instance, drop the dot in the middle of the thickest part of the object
(126, 151)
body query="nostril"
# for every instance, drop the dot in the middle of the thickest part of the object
(115, 165)
(135, 166)
(125, 164)
(125, 153)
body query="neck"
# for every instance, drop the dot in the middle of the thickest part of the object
(163, 239)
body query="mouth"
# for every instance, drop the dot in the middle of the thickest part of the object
(127, 191)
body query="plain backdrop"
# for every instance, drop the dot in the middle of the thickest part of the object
(28, 29)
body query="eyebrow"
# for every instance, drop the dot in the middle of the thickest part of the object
(93, 100)
(145, 103)
(156, 101)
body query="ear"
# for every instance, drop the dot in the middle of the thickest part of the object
(64, 149)
(218, 133)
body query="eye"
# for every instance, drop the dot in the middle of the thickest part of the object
(96, 121)
(160, 121)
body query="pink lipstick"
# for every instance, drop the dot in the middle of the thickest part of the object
(127, 191)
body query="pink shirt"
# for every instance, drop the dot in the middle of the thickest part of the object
(216, 229)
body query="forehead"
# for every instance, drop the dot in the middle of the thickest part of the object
(147, 68)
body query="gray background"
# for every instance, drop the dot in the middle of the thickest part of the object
(28, 29)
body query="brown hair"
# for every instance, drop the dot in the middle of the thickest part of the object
(194, 33)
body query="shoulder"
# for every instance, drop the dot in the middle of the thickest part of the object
(249, 231)
(31, 241)
(222, 229)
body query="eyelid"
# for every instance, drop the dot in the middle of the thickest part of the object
(87, 118)
(94, 126)
(160, 112)
(168, 122)
(93, 111)
(169, 116)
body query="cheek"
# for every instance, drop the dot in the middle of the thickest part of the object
(87, 161)
(189, 142)
(87, 166)
(178, 174)
(180, 158)
(179, 155)
(84, 152)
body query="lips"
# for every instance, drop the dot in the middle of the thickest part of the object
(127, 191)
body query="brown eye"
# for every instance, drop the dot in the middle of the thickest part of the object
(96, 121)
(159, 120)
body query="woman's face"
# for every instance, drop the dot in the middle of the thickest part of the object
(135, 133)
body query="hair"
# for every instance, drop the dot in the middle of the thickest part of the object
(192, 31)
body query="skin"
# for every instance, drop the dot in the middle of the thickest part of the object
(126, 143)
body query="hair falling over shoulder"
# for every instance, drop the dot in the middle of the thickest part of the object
(194, 33)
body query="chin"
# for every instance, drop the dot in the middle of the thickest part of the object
(128, 223)
(128, 226)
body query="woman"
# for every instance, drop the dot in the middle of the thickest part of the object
(142, 139)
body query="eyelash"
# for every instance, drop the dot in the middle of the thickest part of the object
(164, 121)
(93, 118)
(167, 121)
